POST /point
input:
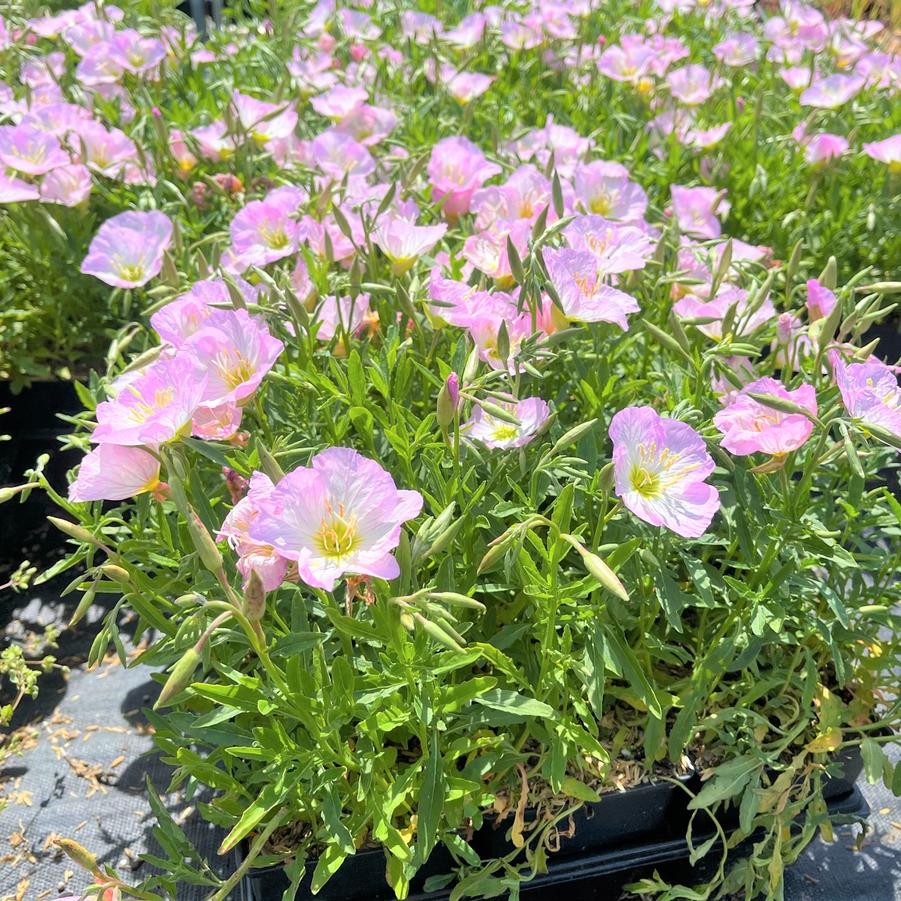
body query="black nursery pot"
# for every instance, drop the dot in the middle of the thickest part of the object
(33, 427)
(616, 841)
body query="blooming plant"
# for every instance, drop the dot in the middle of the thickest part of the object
(489, 442)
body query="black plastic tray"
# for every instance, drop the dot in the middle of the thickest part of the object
(594, 865)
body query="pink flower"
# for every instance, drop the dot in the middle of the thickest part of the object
(532, 414)
(869, 392)
(821, 149)
(660, 466)
(216, 422)
(265, 230)
(887, 151)
(338, 155)
(214, 141)
(466, 86)
(487, 250)
(339, 102)
(67, 185)
(135, 53)
(254, 555)
(582, 293)
(155, 407)
(457, 168)
(368, 125)
(626, 63)
(692, 84)
(235, 350)
(342, 514)
(604, 188)
(739, 49)
(696, 210)
(30, 150)
(403, 243)
(710, 313)
(617, 247)
(128, 249)
(349, 314)
(111, 472)
(106, 152)
(820, 301)
(14, 190)
(263, 121)
(832, 91)
(523, 196)
(750, 427)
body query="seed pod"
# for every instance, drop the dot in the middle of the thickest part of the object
(78, 853)
(254, 598)
(180, 677)
(209, 554)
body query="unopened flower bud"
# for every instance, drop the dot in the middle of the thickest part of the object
(74, 851)
(448, 400)
(254, 597)
(180, 677)
(116, 573)
(209, 554)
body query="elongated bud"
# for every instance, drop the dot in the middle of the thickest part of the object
(254, 598)
(791, 268)
(180, 677)
(722, 267)
(782, 404)
(448, 400)
(557, 195)
(83, 605)
(73, 530)
(492, 556)
(471, 367)
(668, 341)
(515, 262)
(499, 412)
(457, 600)
(269, 464)
(78, 853)
(605, 480)
(572, 436)
(889, 438)
(503, 341)
(437, 632)
(829, 275)
(444, 539)
(597, 568)
(881, 288)
(116, 573)
(7, 494)
(209, 554)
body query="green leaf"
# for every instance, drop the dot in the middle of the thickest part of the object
(328, 864)
(873, 758)
(513, 702)
(579, 790)
(727, 781)
(633, 673)
(431, 801)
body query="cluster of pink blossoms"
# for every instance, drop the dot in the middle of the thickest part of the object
(211, 365)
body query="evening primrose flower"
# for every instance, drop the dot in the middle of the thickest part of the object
(582, 292)
(660, 465)
(749, 426)
(112, 472)
(155, 407)
(341, 515)
(457, 169)
(128, 249)
(235, 350)
(403, 242)
(832, 91)
(692, 84)
(870, 392)
(605, 189)
(493, 432)
(14, 190)
(263, 121)
(887, 151)
(253, 555)
(67, 185)
(30, 150)
(266, 230)
(820, 300)
(697, 210)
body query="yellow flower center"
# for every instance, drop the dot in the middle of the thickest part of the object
(645, 482)
(337, 536)
(275, 238)
(601, 204)
(130, 272)
(504, 432)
